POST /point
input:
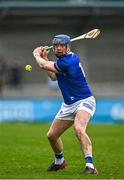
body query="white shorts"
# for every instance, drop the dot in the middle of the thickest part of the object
(68, 111)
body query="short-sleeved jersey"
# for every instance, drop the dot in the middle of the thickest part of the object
(71, 79)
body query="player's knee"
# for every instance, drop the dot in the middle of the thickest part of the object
(79, 131)
(51, 136)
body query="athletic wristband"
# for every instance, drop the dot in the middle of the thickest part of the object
(36, 54)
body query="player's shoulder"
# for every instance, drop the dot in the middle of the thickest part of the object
(74, 57)
(69, 60)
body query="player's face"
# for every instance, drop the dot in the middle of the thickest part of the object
(60, 50)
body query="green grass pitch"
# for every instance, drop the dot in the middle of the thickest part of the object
(25, 152)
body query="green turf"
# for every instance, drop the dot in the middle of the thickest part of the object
(25, 152)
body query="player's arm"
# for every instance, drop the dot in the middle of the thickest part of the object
(41, 57)
(52, 75)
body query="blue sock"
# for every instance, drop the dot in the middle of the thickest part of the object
(89, 161)
(59, 155)
(59, 158)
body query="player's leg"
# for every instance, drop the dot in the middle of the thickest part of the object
(80, 124)
(82, 119)
(56, 129)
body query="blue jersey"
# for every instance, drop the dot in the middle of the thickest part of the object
(71, 79)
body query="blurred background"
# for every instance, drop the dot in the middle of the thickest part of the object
(26, 24)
